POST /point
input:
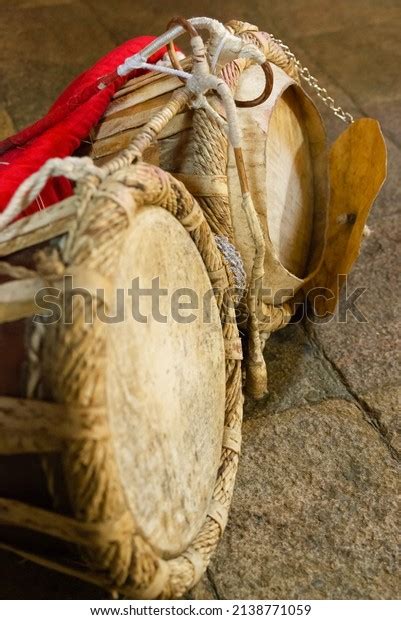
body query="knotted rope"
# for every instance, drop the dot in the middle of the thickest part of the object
(73, 168)
(234, 259)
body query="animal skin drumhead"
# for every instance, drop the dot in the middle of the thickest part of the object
(166, 383)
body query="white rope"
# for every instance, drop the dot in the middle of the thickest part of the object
(166, 62)
(216, 54)
(220, 40)
(200, 85)
(199, 82)
(212, 25)
(229, 47)
(74, 168)
(222, 44)
(138, 62)
(234, 130)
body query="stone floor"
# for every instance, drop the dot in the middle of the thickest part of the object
(315, 511)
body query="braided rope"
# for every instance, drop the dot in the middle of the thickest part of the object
(234, 259)
(74, 168)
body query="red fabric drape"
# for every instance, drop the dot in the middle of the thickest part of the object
(69, 121)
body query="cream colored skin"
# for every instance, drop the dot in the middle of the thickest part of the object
(166, 384)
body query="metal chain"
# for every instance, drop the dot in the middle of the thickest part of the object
(314, 84)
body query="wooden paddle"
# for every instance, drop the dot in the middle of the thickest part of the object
(357, 170)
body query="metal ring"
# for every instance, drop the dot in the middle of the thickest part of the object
(172, 54)
(267, 70)
(181, 21)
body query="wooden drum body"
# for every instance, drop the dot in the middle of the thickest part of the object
(284, 147)
(286, 161)
(133, 425)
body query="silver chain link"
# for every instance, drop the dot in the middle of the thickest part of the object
(314, 84)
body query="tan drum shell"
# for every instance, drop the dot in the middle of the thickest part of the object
(131, 108)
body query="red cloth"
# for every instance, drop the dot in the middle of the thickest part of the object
(58, 134)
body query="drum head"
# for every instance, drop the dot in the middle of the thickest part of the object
(166, 382)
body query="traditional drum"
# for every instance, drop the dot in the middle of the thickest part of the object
(284, 159)
(122, 439)
(209, 174)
